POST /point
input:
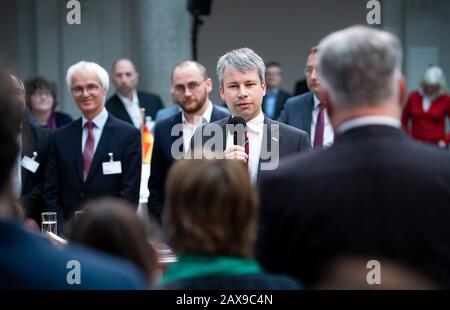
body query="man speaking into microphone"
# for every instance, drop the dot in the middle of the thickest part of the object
(259, 141)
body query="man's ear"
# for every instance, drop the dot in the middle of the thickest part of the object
(330, 107)
(402, 91)
(221, 93)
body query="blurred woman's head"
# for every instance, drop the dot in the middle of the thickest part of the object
(40, 95)
(211, 208)
(433, 82)
(112, 226)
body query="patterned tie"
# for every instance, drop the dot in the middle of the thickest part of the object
(320, 124)
(88, 152)
(247, 146)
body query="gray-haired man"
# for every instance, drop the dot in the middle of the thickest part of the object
(374, 193)
(242, 87)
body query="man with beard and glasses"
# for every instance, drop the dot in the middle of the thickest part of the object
(190, 89)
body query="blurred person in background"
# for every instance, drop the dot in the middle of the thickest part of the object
(111, 226)
(275, 97)
(425, 113)
(27, 176)
(210, 221)
(41, 100)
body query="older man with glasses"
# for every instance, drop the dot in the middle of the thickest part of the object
(97, 155)
(309, 112)
(191, 87)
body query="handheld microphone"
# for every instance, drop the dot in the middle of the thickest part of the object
(236, 125)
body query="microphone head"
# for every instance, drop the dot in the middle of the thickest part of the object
(236, 125)
(235, 120)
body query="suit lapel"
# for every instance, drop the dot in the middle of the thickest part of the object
(102, 146)
(307, 115)
(177, 120)
(76, 145)
(268, 141)
(28, 146)
(122, 111)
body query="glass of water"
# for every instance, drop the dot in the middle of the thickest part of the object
(49, 223)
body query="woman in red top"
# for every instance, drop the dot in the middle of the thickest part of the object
(426, 111)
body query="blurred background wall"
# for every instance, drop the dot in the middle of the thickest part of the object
(156, 34)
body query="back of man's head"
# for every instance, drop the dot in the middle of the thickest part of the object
(360, 66)
(10, 118)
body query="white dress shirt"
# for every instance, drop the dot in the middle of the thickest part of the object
(368, 121)
(255, 130)
(328, 134)
(189, 129)
(133, 108)
(99, 123)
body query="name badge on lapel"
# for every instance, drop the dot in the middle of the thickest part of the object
(30, 163)
(112, 167)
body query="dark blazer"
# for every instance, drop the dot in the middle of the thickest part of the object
(282, 97)
(290, 140)
(162, 159)
(62, 119)
(261, 281)
(373, 194)
(29, 261)
(152, 103)
(65, 190)
(297, 112)
(34, 139)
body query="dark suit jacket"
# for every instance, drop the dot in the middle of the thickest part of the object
(373, 194)
(62, 119)
(282, 97)
(152, 103)
(162, 159)
(34, 139)
(262, 281)
(28, 261)
(65, 189)
(290, 140)
(297, 112)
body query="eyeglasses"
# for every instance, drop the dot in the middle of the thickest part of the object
(91, 88)
(308, 71)
(192, 86)
(42, 94)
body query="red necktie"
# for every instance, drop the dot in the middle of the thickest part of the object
(320, 125)
(246, 146)
(88, 152)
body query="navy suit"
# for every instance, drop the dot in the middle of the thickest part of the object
(297, 112)
(150, 102)
(374, 193)
(162, 159)
(65, 189)
(34, 139)
(29, 261)
(282, 98)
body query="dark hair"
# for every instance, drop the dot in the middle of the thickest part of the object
(112, 226)
(10, 119)
(34, 84)
(211, 208)
(313, 50)
(272, 64)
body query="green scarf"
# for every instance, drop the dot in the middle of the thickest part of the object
(196, 266)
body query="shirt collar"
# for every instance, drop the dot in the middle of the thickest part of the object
(316, 102)
(367, 121)
(256, 123)
(206, 117)
(124, 99)
(99, 121)
(273, 92)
